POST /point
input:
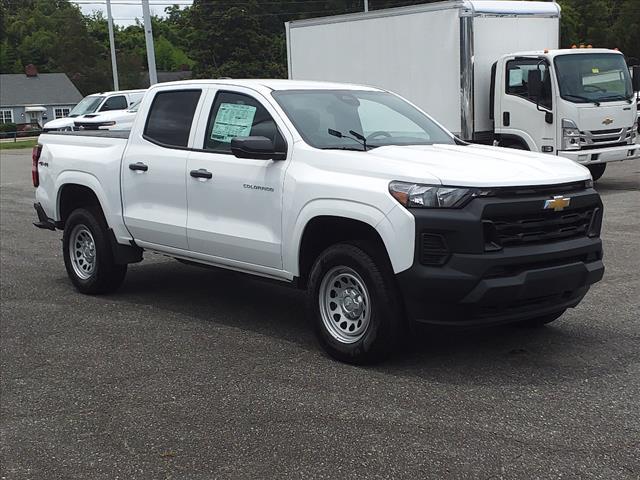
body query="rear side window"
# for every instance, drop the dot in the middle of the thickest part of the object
(238, 115)
(115, 103)
(170, 117)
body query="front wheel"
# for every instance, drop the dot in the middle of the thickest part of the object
(87, 253)
(353, 303)
(597, 170)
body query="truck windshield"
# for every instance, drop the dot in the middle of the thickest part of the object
(87, 105)
(381, 117)
(593, 77)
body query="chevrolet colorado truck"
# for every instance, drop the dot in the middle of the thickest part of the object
(347, 191)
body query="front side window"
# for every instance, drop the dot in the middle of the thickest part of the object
(87, 105)
(593, 77)
(170, 117)
(238, 115)
(518, 81)
(6, 116)
(381, 117)
(115, 103)
(61, 112)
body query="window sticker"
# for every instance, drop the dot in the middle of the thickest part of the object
(515, 77)
(595, 70)
(233, 120)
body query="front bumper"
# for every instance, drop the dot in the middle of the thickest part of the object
(475, 286)
(602, 155)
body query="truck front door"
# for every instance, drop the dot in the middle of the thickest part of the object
(235, 204)
(522, 114)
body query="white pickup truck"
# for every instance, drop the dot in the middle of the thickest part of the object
(350, 192)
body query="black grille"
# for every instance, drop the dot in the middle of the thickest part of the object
(540, 227)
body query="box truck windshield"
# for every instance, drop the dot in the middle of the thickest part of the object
(596, 78)
(381, 118)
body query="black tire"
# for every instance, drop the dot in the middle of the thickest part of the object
(597, 170)
(105, 276)
(542, 321)
(384, 325)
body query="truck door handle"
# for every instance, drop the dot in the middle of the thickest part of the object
(201, 173)
(138, 166)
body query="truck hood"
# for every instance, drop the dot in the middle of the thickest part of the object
(473, 166)
(60, 123)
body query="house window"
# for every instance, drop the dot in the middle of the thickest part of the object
(6, 116)
(61, 112)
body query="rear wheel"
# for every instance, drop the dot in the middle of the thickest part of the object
(542, 321)
(597, 170)
(355, 311)
(87, 253)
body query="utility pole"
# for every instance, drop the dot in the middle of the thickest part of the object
(112, 43)
(366, 5)
(148, 36)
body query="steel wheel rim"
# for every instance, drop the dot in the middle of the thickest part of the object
(345, 305)
(82, 251)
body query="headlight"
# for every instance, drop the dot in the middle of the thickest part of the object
(570, 135)
(634, 132)
(413, 195)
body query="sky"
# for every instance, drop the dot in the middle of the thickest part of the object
(126, 11)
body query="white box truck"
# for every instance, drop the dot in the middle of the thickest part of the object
(489, 71)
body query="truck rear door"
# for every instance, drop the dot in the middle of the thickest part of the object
(153, 170)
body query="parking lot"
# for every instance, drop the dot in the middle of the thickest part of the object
(191, 373)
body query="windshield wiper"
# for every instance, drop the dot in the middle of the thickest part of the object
(616, 97)
(358, 137)
(579, 97)
(353, 149)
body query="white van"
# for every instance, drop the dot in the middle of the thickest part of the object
(97, 102)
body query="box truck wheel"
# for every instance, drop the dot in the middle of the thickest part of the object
(353, 305)
(597, 170)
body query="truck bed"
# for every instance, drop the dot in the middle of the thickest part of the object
(124, 134)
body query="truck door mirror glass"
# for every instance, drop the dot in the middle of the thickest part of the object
(635, 81)
(256, 148)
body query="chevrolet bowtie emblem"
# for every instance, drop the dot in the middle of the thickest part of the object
(607, 121)
(557, 203)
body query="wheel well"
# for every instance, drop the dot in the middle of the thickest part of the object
(74, 196)
(322, 232)
(511, 141)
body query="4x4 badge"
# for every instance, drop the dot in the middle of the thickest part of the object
(557, 203)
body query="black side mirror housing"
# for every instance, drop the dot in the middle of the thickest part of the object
(635, 81)
(256, 148)
(535, 83)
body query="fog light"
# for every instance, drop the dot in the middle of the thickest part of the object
(582, 158)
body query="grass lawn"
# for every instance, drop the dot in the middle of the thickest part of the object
(18, 144)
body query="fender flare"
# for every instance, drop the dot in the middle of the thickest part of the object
(400, 249)
(112, 212)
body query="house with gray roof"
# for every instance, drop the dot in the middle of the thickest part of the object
(34, 98)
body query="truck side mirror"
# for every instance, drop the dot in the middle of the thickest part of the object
(256, 148)
(535, 84)
(635, 81)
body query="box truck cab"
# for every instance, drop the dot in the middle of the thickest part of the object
(577, 103)
(459, 62)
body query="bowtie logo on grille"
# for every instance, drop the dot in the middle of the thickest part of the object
(607, 121)
(557, 203)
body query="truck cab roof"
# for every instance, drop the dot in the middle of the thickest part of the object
(551, 53)
(270, 84)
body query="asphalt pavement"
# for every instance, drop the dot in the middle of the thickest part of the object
(191, 373)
